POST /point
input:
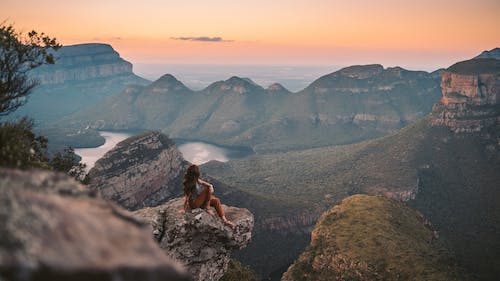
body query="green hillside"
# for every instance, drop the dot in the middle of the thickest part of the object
(372, 238)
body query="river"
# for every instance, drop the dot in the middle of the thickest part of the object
(196, 152)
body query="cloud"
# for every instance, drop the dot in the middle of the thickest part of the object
(201, 39)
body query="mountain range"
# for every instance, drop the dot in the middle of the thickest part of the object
(353, 104)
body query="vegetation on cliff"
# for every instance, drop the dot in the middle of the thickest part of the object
(372, 238)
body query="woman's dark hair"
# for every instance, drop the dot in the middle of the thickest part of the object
(190, 179)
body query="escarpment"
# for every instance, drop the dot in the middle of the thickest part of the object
(143, 170)
(200, 241)
(471, 96)
(53, 229)
(83, 62)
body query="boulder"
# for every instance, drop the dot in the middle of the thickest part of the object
(53, 229)
(197, 239)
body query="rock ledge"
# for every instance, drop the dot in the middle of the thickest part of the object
(198, 240)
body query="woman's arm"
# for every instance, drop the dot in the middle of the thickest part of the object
(207, 184)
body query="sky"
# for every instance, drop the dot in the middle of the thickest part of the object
(424, 34)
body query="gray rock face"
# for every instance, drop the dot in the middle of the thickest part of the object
(83, 62)
(197, 239)
(141, 171)
(51, 229)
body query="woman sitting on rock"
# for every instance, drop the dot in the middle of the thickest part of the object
(198, 194)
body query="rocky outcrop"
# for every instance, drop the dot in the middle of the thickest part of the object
(471, 96)
(52, 229)
(141, 171)
(83, 62)
(197, 239)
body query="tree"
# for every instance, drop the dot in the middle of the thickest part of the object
(20, 147)
(68, 162)
(19, 53)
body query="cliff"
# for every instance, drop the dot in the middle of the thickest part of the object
(471, 96)
(83, 62)
(53, 229)
(143, 170)
(200, 241)
(372, 238)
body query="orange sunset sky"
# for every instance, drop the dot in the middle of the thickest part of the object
(422, 34)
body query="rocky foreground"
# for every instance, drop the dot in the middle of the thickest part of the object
(53, 229)
(197, 239)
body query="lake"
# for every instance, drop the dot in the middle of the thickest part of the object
(91, 155)
(196, 152)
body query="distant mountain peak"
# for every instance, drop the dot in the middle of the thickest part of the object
(235, 80)
(235, 84)
(476, 66)
(168, 82)
(361, 71)
(493, 54)
(277, 87)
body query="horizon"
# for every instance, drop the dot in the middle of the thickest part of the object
(416, 36)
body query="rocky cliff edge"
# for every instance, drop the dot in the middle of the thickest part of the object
(142, 171)
(197, 239)
(471, 96)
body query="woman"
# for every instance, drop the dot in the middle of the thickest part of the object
(198, 194)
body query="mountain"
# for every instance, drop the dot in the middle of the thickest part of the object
(350, 105)
(373, 238)
(445, 166)
(491, 54)
(82, 75)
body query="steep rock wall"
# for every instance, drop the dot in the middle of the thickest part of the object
(471, 99)
(83, 62)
